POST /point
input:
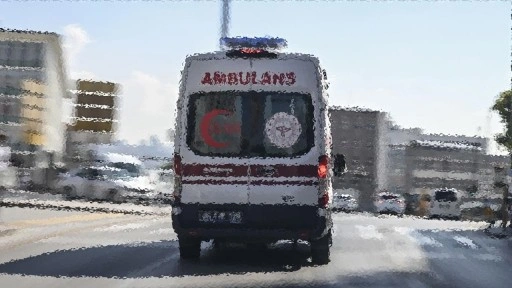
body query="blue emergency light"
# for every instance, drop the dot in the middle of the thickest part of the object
(263, 43)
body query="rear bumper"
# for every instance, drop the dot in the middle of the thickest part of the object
(261, 223)
(345, 207)
(442, 213)
(390, 209)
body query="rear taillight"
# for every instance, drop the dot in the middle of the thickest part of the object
(304, 235)
(177, 165)
(323, 201)
(323, 162)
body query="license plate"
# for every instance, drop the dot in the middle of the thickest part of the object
(445, 206)
(231, 217)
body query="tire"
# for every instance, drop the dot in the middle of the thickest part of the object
(217, 245)
(112, 196)
(189, 248)
(260, 246)
(69, 192)
(320, 250)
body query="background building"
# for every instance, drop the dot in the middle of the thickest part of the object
(94, 118)
(361, 136)
(436, 164)
(380, 155)
(32, 90)
(407, 146)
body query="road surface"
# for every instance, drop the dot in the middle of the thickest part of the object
(46, 248)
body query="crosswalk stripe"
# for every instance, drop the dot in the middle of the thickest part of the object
(126, 227)
(417, 237)
(488, 257)
(369, 232)
(465, 241)
(162, 231)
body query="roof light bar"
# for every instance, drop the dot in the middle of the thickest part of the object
(265, 43)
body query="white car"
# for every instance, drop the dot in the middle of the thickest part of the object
(103, 183)
(446, 203)
(8, 179)
(386, 202)
(164, 185)
(344, 202)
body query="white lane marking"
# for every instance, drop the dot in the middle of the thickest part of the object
(231, 178)
(444, 255)
(126, 227)
(488, 257)
(417, 237)
(369, 232)
(465, 241)
(162, 231)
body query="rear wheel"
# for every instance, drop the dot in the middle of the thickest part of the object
(320, 250)
(189, 248)
(69, 192)
(113, 196)
(258, 246)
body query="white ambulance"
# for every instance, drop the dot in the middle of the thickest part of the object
(252, 149)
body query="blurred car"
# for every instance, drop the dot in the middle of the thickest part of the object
(8, 178)
(164, 185)
(104, 183)
(386, 202)
(417, 204)
(344, 202)
(446, 203)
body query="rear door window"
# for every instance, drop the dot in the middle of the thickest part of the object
(250, 124)
(389, 197)
(446, 196)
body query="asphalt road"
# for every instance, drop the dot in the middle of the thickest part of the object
(45, 248)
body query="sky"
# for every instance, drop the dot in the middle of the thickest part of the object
(437, 65)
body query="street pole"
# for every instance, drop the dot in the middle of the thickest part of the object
(224, 28)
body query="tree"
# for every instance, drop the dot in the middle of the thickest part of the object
(154, 140)
(503, 105)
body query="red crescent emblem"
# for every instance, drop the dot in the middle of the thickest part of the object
(205, 127)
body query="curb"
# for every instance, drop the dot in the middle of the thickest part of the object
(84, 207)
(499, 235)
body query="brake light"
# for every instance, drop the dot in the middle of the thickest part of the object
(177, 164)
(323, 201)
(252, 50)
(323, 162)
(304, 235)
